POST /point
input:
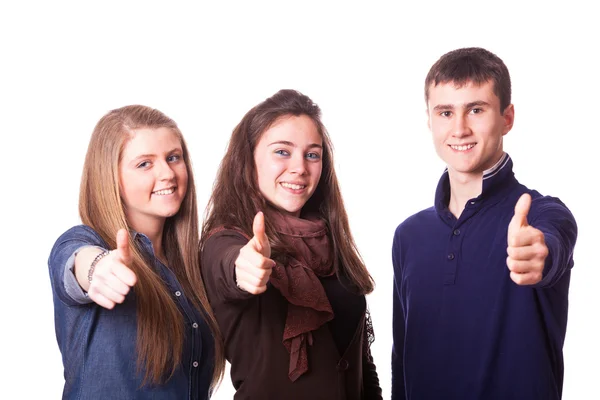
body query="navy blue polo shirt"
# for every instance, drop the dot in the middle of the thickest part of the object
(98, 345)
(462, 328)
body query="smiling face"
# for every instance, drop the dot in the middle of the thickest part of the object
(153, 177)
(288, 160)
(468, 126)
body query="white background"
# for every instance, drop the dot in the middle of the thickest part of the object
(63, 65)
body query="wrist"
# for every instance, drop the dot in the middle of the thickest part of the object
(94, 262)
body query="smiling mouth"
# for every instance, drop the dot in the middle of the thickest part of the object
(165, 192)
(463, 147)
(292, 186)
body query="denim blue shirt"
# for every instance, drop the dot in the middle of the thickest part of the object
(462, 328)
(98, 345)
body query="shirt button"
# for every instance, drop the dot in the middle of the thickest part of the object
(451, 256)
(456, 232)
(343, 365)
(178, 293)
(195, 325)
(472, 203)
(195, 364)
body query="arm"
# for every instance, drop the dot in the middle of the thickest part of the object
(541, 238)
(73, 277)
(218, 266)
(398, 389)
(251, 267)
(66, 263)
(558, 225)
(372, 390)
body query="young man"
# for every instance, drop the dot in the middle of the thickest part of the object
(481, 279)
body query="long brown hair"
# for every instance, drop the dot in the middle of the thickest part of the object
(160, 325)
(236, 198)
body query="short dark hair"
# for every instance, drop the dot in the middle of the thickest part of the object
(471, 64)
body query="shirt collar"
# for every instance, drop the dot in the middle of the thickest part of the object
(494, 179)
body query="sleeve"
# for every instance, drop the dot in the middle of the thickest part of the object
(218, 266)
(398, 389)
(553, 218)
(62, 261)
(372, 389)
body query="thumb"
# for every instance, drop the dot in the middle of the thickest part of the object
(260, 237)
(123, 251)
(522, 209)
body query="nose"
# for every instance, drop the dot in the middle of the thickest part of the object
(460, 127)
(164, 172)
(298, 164)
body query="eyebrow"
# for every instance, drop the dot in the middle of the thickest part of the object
(287, 143)
(444, 107)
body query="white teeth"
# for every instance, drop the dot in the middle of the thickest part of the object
(164, 191)
(463, 147)
(292, 186)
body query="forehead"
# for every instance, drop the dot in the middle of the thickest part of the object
(449, 93)
(291, 128)
(150, 141)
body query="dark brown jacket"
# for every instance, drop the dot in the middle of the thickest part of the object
(252, 327)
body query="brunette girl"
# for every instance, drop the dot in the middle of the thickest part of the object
(280, 265)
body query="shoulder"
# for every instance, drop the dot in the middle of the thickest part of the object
(416, 222)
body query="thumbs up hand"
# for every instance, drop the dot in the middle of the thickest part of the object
(253, 266)
(112, 278)
(527, 250)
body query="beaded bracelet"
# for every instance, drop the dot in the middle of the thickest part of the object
(93, 264)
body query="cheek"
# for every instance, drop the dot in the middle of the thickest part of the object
(183, 181)
(315, 172)
(133, 187)
(438, 133)
(268, 171)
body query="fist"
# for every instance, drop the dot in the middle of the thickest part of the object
(112, 278)
(253, 266)
(527, 250)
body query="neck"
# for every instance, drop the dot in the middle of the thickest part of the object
(154, 231)
(463, 187)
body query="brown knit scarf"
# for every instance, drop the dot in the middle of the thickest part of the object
(298, 281)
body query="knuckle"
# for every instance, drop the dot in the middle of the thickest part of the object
(516, 278)
(539, 236)
(510, 263)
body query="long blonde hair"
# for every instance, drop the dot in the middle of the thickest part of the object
(160, 324)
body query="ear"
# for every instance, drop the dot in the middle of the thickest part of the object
(509, 118)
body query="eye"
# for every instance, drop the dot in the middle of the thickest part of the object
(313, 156)
(173, 158)
(477, 110)
(143, 164)
(446, 113)
(282, 152)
